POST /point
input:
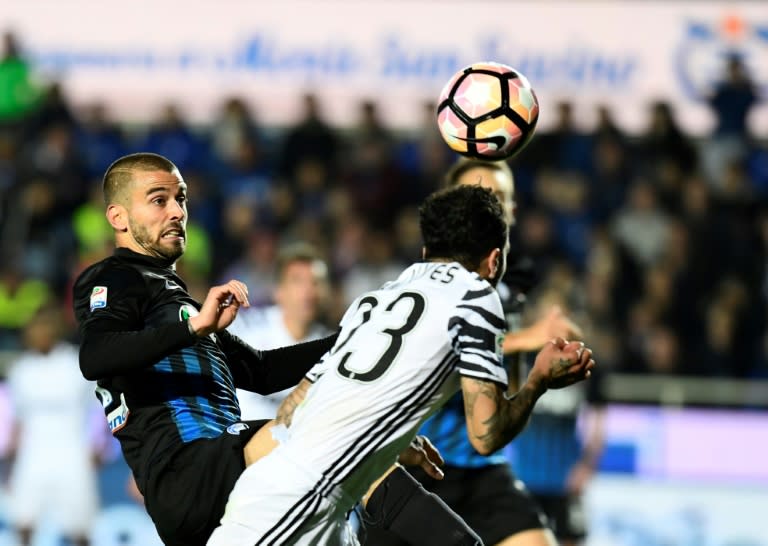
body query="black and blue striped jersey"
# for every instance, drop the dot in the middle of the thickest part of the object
(161, 386)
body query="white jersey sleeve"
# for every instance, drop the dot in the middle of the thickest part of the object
(477, 329)
(345, 325)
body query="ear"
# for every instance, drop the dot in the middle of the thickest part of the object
(117, 216)
(489, 267)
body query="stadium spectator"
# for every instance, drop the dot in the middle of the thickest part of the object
(18, 92)
(732, 99)
(170, 134)
(299, 296)
(52, 403)
(99, 138)
(311, 137)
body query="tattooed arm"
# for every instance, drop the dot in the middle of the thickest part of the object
(291, 402)
(494, 417)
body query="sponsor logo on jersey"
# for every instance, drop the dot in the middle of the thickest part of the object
(118, 417)
(98, 297)
(187, 311)
(104, 396)
(236, 428)
(500, 345)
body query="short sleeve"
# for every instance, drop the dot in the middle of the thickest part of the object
(349, 322)
(477, 329)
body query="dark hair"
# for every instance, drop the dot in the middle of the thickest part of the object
(295, 252)
(463, 223)
(119, 174)
(463, 165)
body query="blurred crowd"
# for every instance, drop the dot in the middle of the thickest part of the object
(656, 243)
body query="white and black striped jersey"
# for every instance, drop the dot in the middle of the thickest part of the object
(399, 357)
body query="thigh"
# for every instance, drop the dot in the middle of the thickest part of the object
(566, 512)
(494, 503)
(500, 506)
(277, 502)
(187, 497)
(376, 536)
(491, 501)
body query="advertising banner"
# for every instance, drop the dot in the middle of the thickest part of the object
(139, 56)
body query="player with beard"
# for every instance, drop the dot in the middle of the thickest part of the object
(403, 350)
(167, 369)
(481, 487)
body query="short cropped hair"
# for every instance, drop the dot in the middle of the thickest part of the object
(119, 175)
(295, 252)
(463, 223)
(463, 165)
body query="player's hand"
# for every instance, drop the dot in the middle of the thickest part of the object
(561, 363)
(556, 324)
(422, 453)
(220, 308)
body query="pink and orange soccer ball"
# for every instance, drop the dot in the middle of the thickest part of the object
(487, 111)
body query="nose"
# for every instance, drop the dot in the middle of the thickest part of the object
(177, 210)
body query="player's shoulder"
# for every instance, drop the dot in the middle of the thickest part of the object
(475, 296)
(111, 271)
(106, 280)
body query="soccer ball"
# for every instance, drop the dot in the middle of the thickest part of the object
(487, 111)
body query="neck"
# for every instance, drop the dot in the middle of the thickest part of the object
(156, 258)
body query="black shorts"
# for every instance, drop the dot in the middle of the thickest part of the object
(566, 515)
(492, 502)
(186, 497)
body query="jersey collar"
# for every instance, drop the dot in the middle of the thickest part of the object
(164, 263)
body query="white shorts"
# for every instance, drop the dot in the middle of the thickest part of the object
(274, 502)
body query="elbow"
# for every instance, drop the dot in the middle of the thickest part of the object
(482, 446)
(88, 372)
(87, 368)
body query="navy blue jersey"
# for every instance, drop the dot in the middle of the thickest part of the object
(544, 453)
(546, 450)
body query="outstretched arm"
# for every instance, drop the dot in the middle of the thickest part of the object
(492, 420)
(291, 402)
(494, 417)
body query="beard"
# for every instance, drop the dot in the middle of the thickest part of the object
(153, 245)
